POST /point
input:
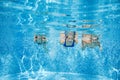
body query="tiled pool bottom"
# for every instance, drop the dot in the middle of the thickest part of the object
(43, 75)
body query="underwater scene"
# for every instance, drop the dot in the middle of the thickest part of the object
(59, 39)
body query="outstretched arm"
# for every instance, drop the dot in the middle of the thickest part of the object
(62, 38)
(76, 37)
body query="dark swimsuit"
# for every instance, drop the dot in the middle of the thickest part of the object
(72, 43)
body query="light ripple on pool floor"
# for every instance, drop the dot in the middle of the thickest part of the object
(46, 75)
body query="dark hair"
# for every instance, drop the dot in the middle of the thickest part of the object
(36, 36)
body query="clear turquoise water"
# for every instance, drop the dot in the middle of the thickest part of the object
(22, 59)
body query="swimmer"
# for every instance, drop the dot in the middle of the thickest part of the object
(68, 39)
(89, 40)
(40, 39)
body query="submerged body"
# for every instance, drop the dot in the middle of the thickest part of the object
(68, 39)
(40, 39)
(89, 40)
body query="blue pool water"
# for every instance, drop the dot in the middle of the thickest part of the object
(22, 59)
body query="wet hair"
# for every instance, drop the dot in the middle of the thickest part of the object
(44, 37)
(36, 36)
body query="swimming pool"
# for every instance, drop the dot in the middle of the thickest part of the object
(22, 59)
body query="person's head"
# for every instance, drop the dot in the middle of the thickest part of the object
(39, 39)
(35, 38)
(69, 39)
(43, 38)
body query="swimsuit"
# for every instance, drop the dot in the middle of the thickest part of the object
(73, 43)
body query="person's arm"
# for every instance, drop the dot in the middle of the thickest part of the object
(62, 38)
(76, 37)
(35, 38)
(100, 47)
